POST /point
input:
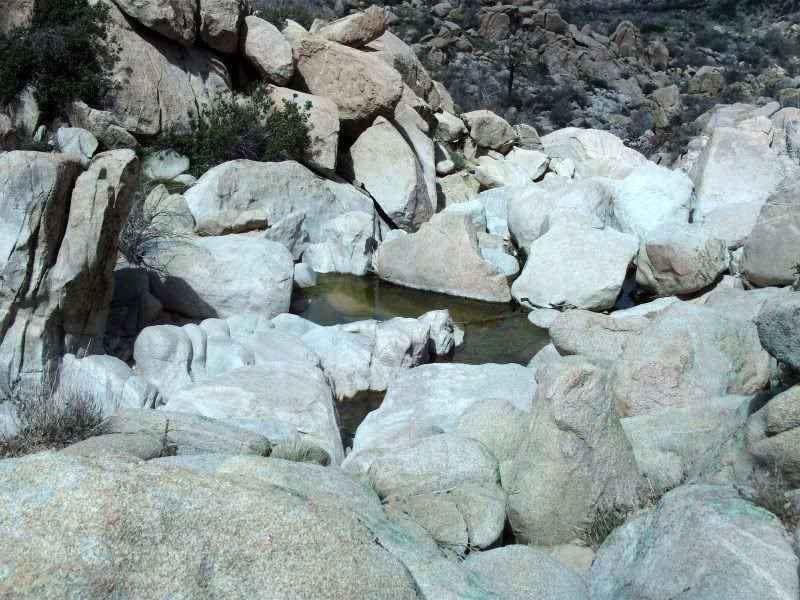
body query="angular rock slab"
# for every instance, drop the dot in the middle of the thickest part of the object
(705, 539)
(443, 256)
(274, 540)
(575, 267)
(223, 276)
(686, 356)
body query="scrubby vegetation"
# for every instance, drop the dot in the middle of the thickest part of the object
(60, 53)
(301, 451)
(302, 12)
(255, 128)
(49, 421)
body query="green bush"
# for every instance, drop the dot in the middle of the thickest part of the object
(561, 114)
(60, 52)
(254, 129)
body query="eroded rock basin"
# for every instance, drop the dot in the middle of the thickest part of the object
(494, 333)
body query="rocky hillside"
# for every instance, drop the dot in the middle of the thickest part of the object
(181, 179)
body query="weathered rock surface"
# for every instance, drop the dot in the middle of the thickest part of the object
(223, 276)
(771, 250)
(574, 459)
(435, 396)
(137, 511)
(575, 267)
(443, 256)
(264, 45)
(594, 152)
(355, 30)
(389, 169)
(58, 241)
(525, 573)
(158, 82)
(778, 323)
(598, 337)
(362, 86)
(677, 258)
(174, 20)
(345, 246)
(220, 22)
(688, 355)
(294, 393)
(241, 194)
(489, 130)
(693, 540)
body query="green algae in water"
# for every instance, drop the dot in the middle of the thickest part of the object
(494, 333)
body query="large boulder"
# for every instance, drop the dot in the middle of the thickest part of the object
(220, 22)
(778, 324)
(345, 245)
(732, 223)
(735, 166)
(223, 276)
(264, 45)
(525, 573)
(529, 206)
(489, 131)
(691, 543)
(443, 256)
(598, 337)
(675, 444)
(574, 459)
(389, 169)
(772, 436)
(437, 395)
(58, 251)
(772, 249)
(157, 83)
(355, 30)
(575, 267)
(688, 355)
(593, 152)
(649, 196)
(174, 20)
(291, 535)
(362, 86)
(678, 258)
(399, 55)
(241, 195)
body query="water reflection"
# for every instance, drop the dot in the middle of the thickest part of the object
(495, 333)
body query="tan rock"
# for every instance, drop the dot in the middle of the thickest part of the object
(356, 30)
(268, 50)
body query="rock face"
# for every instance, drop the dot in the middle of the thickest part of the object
(778, 323)
(443, 256)
(649, 196)
(220, 21)
(57, 243)
(264, 45)
(598, 337)
(356, 30)
(489, 131)
(771, 250)
(362, 86)
(240, 195)
(157, 81)
(174, 19)
(574, 457)
(679, 259)
(434, 397)
(575, 267)
(593, 152)
(290, 392)
(136, 510)
(346, 245)
(736, 166)
(692, 540)
(686, 355)
(525, 573)
(203, 277)
(387, 166)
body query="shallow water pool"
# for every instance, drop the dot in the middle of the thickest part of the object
(494, 333)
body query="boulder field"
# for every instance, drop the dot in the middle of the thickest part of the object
(649, 450)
